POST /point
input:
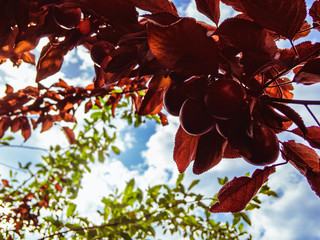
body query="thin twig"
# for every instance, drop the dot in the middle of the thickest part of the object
(26, 147)
(313, 116)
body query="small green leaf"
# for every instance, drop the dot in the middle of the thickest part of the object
(195, 182)
(115, 150)
(245, 218)
(100, 156)
(180, 178)
(71, 209)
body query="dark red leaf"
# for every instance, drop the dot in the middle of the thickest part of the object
(155, 6)
(301, 156)
(209, 152)
(69, 134)
(47, 123)
(309, 73)
(88, 106)
(256, 44)
(235, 4)
(25, 128)
(291, 114)
(315, 12)
(230, 152)
(184, 149)
(281, 16)
(5, 123)
(312, 136)
(237, 193)
(15, 125)
(184, 47)
(50, 62)
(314, 181)
(210, 8)
(152, 102)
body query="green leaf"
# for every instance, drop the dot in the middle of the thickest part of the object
(100, 156)
(245, 218)
(195, 182)
(129, 187)
(125, 236)
(180, 178)
(71, 209)
(115, 150)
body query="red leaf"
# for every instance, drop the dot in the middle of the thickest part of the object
(209, 152)
(314, 181)
(184, 149)
(47, 123)
(25, 128)
(230, 152)
(15, 125)
(281, 16)
(312, 136)
(314, 12)
(62, 84)
(5, 182)
(4, 125)
(155, 6)
(69, 134)
(309, 73)
(50, 62)
(88, 106)
(237, 193)
(256, 43)
(9, 89)
(235, 4)
(67, 117)
(152, 102)
(291, 114)
(301, 156)
(58, 187)
(210, 8)
(184, 47)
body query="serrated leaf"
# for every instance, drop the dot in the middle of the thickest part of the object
(270, 13)
(237, 193)
(210, 8)
(312, 136)
(192, 52)
(155, 6)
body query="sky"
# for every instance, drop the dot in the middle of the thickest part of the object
(146, 155)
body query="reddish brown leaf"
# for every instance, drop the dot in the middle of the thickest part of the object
(5, 182)
(314, 181)
(28, 57)
(67, 117)
(50, 62)
(88, 106)
(25, 128)
(155, 6)
(58, 187)
(237, 193)
(5, 123)
(15, 125)
(304, 49)
(47, 124)
(163, 119)
(34, 123)
(230, 152)
(285, 86)
(303, 31)
(235, 4)
(256, 43)
(291, 114)
(209, 152)
(315, 12)
(62, 84)
(312, 136)
(29, 196)
(281, 16)
(210, 8)
(309, 73)
(9, 89)
(184, 47)
(184, 149)
(69, 134)
(152, 102)
(301, 156)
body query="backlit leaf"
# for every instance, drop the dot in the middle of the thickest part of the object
(301, 156)
(309, 73)
(209, 151)
(47, 124)
(314, 181)
(235, 4)
(5, 182)
(237, 193)
(281, 16)
(184, 47)
(25, 128)
(315, 12)
(210, 8)
(69, 134)
(4, 125)
(312, 136)
(184, 149)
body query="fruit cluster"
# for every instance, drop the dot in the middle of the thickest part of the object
(223, 105)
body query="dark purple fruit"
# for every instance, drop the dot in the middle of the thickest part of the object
(174, 98)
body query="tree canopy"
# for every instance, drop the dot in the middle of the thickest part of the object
(228, 82)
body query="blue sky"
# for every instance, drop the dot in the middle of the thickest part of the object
(147, 156)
